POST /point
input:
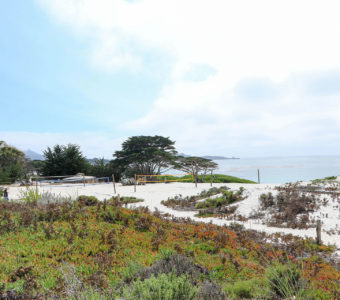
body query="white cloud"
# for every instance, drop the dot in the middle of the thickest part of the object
(280, 42)
(92, 144)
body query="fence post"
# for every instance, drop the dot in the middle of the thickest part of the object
(211, 178)
(258, 175)
(318, 232)
(114, 183)
(84, 180)
(195, 181)
(135, 182)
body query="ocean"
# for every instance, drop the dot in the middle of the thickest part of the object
(281, 169)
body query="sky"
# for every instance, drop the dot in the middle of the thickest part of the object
(235, 78)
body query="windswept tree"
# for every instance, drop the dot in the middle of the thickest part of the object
(12, 163)
(195, 165)
(147, 155)
(64, 160)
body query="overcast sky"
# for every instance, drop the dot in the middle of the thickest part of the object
(235, 78)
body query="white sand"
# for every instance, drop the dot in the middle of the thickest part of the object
(153, 194)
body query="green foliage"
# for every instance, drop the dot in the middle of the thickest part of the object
(331, 178)
(90, 294)
(12, 163)
(220, 178)
(97, 252)
(190, 201)
(145, 155)
(164, 286)
(100, 168)
(248, 289)
(38, 166)
(217, 178)
(166, 253)
(324, 180)
(285, 281)
(227, 198)
(127, 200)
(30, 195)
(64, 160)
(130, 272)
(194, 165)
(87, 200)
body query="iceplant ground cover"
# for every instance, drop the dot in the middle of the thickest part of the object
(153, 194)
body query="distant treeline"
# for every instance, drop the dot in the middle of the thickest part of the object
(139, 155)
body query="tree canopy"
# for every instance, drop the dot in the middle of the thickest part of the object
(12, 163)
(145, 155)
(194, 165)
(64, 160)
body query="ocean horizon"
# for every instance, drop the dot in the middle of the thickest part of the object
(281, 169)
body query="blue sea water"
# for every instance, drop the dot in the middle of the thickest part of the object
(281, 169)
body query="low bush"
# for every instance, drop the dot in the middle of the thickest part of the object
(165, 287)
(47, 197)
(87, 200)
(131, 271)
(210, 290)
(290, 207)
(190, 201)
(143, 222)
(266, 201)
(285, 281)
(175, 263)
(30, 195)
(125, 200)
(227, 198)
(248, 289)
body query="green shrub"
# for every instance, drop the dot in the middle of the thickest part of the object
(331, 178)
(227, 198)
(89, 294)
(267, 200)
(30, 195)
(130, 272)
(285, 280)
(87, 200)
(126, 199)
(217, 178)
(248, 289)
(221, 178)
(164, 286)
(166, 253)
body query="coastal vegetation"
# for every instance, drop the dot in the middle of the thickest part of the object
(189, 202)
(213, 202)
(64, 160)
(215, 178)
(147, 155)
(227, 197)
(194, 166)
(12, 163)
(295, 205)
(139, 155)
(87, 249)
